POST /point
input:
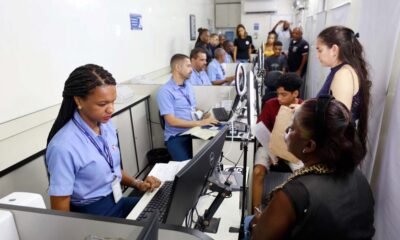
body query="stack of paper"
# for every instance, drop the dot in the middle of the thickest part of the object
(167, 171)
(202, 133)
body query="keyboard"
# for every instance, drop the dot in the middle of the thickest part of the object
(159, 202)
(220, 114)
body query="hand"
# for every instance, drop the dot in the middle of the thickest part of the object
(257, 215)
(153, 181)
(208, 121)
(230, 79)
(294, 106)
(298, 73)
(149, 184)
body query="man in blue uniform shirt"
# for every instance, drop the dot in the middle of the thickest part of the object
(198, 58)
(216, 73)
(177, 105)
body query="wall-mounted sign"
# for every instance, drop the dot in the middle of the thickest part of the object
(136, 21)
(256, 26)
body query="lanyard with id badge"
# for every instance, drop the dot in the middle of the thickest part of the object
(196, 115)
(116, 186)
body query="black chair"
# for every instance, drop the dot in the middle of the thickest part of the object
(270, 81)
(162, 120)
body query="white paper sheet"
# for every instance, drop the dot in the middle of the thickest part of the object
(167, 171)
(262, 134)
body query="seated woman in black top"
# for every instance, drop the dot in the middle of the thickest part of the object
(242, 43)
(329, 198)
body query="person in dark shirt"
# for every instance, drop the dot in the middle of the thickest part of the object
(242, 43)
(298, 53)
(329, 198)
(276, 62)
(203, 42)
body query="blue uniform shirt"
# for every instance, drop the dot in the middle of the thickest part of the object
(215, 71)
(76, 167)
(199, 78)
(228, 58)
(177, 100)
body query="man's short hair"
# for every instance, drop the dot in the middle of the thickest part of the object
(218, 52)
(213, 35)
(195, 52)
(278, 43)
(177, 59)
(290, 82)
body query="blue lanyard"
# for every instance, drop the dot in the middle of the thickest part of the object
(198, 74)
(106, 153)
(187, 97)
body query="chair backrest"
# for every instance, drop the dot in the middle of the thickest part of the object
(162, 120)
(270, 81)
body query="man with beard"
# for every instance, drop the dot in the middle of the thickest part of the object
(177, 104)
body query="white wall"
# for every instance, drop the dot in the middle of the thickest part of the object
(43, 41)
(379, 28)
(267, 20)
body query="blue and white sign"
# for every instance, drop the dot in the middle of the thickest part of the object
(136, 21)
(256, 26)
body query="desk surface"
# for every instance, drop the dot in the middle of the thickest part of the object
(229, 212)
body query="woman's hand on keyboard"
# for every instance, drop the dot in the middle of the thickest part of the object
(153, 183)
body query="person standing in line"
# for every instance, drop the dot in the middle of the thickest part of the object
(298, 53)
(338, 48)
(284, 34)
(203, 42)
(242, 43)
(269, 45)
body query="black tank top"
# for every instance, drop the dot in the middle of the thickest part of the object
(331, 207)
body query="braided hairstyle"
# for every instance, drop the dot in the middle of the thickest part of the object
(80, 83)
(201, 31)
(351, 52)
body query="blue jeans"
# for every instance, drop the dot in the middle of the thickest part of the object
(107, 207)
(180, 147)
(247, 221)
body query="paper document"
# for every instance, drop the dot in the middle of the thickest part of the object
(262, 134)
(201, 133)
(167, 171)
(277, 143)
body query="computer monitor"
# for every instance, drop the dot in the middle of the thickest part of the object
(150, 229)
(191, 179)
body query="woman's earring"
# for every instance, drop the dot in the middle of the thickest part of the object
(79, 107)
(304, 151)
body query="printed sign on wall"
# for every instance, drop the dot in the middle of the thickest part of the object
(136, 21)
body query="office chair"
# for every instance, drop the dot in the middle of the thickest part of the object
(162, 120)
(270, 82)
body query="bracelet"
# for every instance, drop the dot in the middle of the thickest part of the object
(136, 183)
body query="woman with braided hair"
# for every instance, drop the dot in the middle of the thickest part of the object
(329, 198)
(82, 156)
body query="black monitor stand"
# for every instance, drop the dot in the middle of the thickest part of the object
(207, 223)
